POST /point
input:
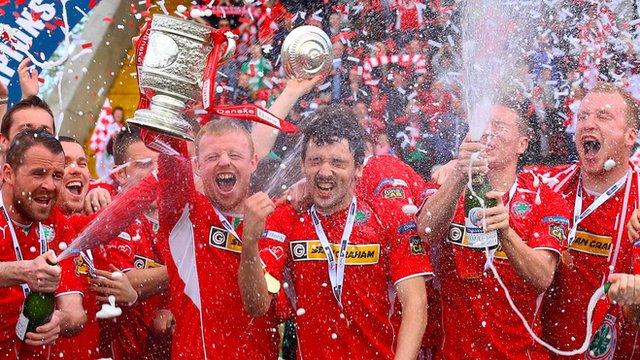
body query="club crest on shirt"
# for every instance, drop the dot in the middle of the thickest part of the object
(393, 193)
(222, 239)
(362, 216)
(47, 233)
(603, 344)
(82, 268)
(520, 209)
(141, 262)
(416, 245)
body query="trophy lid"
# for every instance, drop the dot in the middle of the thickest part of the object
(306, 52)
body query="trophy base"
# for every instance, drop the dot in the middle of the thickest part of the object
(164, 117)
(150, 122)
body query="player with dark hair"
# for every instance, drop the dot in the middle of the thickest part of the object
(342, 234)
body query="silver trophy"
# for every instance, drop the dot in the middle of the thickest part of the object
(173, 69)
(306, 52)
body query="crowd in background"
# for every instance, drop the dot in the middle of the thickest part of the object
(411, 105)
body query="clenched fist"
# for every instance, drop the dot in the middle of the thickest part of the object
(256, 209)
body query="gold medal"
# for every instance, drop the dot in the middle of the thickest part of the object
(273, 285)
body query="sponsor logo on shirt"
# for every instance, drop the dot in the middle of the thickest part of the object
(357, 254)
(555, 220)
(221, 239)
(141, 262)
(274, 235)
(393, 193)
(416, 245)
(592, 244)
(405, 228)
(558, 232)
(457, 234)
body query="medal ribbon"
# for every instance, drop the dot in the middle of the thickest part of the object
(14, 239)
(336, 269)
(578, 215)
(226, 224)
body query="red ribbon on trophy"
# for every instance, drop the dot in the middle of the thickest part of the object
(249, 112)
(141, 51)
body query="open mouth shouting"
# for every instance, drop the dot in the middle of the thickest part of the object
(226, 182)
(590, 146)
(74, 187)
(43, 200)
(324, 187)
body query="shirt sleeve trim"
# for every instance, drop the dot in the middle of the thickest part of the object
(70, 293)
(427, 275)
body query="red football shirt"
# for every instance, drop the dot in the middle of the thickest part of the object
(478, 321)
(59, 230)
(377, 258)
(388, 184)
(229, 332)
(133, 328)
(593, 251)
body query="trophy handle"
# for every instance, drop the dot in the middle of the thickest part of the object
(231, 46)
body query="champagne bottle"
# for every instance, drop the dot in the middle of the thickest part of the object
(477, 237)
(37, 310)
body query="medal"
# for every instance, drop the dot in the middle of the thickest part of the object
(273, 285)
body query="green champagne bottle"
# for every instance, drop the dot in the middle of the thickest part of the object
(476, 236)
(37, 310)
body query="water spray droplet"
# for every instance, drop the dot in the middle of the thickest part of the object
(410, 209)
(609, 164)
(62, 246)
(300, 311)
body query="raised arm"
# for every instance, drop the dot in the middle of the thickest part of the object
(438, 210)
(265, 136)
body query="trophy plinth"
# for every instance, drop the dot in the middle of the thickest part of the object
(164, 116)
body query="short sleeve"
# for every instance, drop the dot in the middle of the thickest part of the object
(70, 282)
(428, 190)
(550, 223)
(273, 243)
(408, 252)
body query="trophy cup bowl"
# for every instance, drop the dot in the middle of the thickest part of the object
(306, 52)
(172, 69)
